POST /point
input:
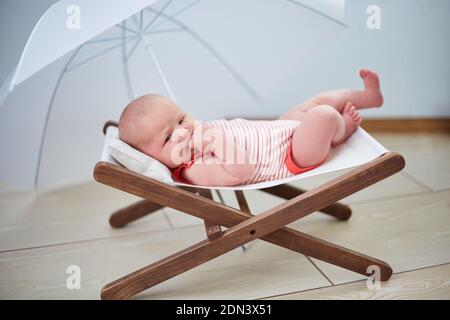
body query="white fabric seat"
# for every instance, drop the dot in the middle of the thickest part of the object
(359, 149)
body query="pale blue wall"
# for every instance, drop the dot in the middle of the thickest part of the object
(410, 52)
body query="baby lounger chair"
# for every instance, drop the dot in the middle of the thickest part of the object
(374, 163)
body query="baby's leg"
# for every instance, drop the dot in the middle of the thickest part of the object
(321, 128)
(369, 98)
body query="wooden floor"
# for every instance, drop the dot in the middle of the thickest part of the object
(404, 220)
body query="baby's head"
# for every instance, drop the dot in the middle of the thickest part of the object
(156, 126)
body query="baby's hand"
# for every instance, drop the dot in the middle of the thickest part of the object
(204, 140)
(197, 143)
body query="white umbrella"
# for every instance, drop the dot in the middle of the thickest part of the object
(52, 37)
(113, 33)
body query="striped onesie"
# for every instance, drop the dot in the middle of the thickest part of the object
(267, 142)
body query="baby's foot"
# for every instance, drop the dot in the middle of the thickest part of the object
(352, 120)
(372, 86)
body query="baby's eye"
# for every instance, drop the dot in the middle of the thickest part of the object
(181, 120)
(168, 138)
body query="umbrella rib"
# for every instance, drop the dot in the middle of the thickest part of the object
(129, 54)
(66, 69)
(136, 23)
(158, 14)
(177, 13)
(96, 55)
(317, 12)
(216, 54)
(125, 68)
(127, 29)
(165, 30)
(141, 20)
(159, 69)
(47, 116)
(109, 39)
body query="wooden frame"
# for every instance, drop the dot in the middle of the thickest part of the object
(243, 227)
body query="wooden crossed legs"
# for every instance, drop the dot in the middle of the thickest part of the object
(242, 226)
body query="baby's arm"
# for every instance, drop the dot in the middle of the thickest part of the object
(234, 158)
(224, 162)
(213, 175)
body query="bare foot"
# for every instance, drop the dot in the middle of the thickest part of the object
(352, 121)
(372, 86)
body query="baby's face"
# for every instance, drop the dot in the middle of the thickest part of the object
(166, 133)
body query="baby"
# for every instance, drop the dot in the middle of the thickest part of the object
(237, 152)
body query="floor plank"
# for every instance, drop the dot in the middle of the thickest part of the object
(262, 270)
(400, 141)
(430, 283)
(427, 157)
(409, 233)
(66, 215)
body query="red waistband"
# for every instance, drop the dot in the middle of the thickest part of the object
(292, 167)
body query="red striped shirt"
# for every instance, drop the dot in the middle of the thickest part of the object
(266, 142)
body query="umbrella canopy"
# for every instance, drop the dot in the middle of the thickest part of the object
(53, 36)
(71, 80)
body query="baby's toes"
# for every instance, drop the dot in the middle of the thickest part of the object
(363, 73)
(359, 121)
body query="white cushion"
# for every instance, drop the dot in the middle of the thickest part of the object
(138, 162)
